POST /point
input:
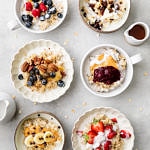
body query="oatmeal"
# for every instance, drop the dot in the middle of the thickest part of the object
(100, 14)
(42, 134)
(41, 14)
(43, 71)
(107, 70)
(103, 133)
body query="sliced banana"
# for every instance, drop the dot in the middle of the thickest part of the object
(39, 138)
(48, 137)
(29, 141)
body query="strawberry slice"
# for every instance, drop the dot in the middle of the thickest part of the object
(107, 145)
(42, 7)
(114, 120)
(109, 127)
(36, 12)
(125, 134)
(28, 6)
(89, 137)
(97, 126)
(112, 134)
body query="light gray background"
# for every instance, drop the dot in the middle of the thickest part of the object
(78, 39)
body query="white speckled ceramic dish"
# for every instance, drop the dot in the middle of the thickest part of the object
(85, 70)
(14, 24)
(19, 136)
(36, 47)
(87, 118)
(114, 24)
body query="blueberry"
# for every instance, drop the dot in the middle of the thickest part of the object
(27, 18)
(36, 5)
(52, 10)
(37, 71)
(44, 81)
(32, 72)
(47, 16)
(34, 78)
(29, 83)
(42, 18)
(61, 83)
(52, 74)
(40, 77)
(59, 15)
(28, 24)
(44, 1)
(20, 77)
(49, 2)
(31, 79)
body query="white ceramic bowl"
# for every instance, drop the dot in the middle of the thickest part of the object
(88, 117)
(36, 47)
(14, 24)
(19, 136)
(113, 26)
(85, 69)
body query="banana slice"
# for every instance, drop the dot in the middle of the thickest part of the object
(48, 137)
(29, 141)
(39, 138)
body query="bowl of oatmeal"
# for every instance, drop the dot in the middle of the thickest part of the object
(40, 130)
(39, 16)
(107, 70)
(42, 71)
(103, 128)
(104, 15)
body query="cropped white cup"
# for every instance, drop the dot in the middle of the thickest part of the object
(133, 41)
(17, 23)
(129, 71)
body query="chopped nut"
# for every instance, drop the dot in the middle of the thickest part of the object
(25, 66)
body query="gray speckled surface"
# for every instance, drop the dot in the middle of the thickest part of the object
(134, 102)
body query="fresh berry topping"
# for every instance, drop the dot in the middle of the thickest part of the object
(27, 18)
(40, 77)
(114, 120)
(61, 83)
(28, 24)
(125, 134)
(42, 7)
(29, 83)
(36, 5)
(90, 137)
(60, 15)
(44, 1)
(32, 72)
(52, 10)
(31, 79)
(112, 134)
(107, 75)
(47, 16)
(20, 77)
(44, 81)
(52, 74)
(37, 71)
(28, 6)
(107, 145)
(35, 1)
(98, 148)
(42, 18)
(97, 126)
(49, 2)
(36, 12)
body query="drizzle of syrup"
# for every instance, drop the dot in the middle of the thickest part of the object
(137, 32)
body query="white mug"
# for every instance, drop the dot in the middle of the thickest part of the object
(84, 69)
(17, 23)
(8, 107)
(133, 41)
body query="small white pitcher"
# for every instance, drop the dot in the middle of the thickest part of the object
(7, 107)
(133, 41)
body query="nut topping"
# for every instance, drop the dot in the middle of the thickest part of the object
(25, 66)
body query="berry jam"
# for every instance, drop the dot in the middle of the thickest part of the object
(107, 75)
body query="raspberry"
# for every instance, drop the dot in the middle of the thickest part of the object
(42, 7)
(36, 12)
(28, 6)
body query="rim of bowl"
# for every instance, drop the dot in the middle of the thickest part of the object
(34, 113)
(100, 31)
(40, 31)
(107, 94)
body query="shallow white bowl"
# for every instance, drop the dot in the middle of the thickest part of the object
(85, 69)
(36, 47)
(19, 136)
(87, 118)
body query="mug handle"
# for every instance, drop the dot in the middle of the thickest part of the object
(13, 25)
(136, 58)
